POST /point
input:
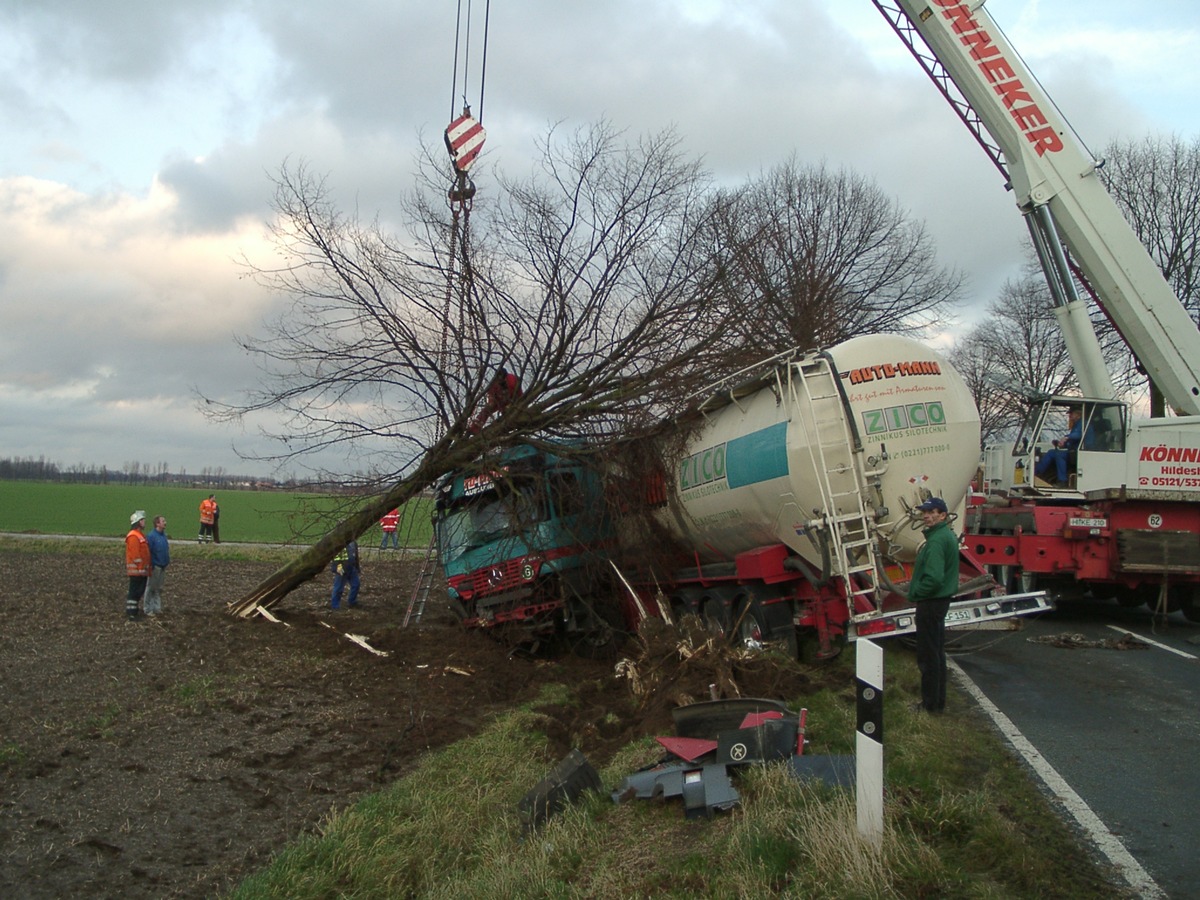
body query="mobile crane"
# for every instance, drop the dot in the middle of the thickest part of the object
(1126, 524)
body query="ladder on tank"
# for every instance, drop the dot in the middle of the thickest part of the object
(831, 444)
(420, 593)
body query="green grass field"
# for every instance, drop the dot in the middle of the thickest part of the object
(270, 517)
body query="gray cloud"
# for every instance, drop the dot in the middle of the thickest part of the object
(155, 129)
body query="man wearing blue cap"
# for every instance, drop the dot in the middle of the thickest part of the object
(933, 585)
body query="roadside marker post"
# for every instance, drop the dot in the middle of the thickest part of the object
(869, 740)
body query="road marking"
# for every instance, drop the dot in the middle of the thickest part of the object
(1153, 642)
(1106, 842)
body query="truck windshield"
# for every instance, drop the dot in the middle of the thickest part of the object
(497, 514)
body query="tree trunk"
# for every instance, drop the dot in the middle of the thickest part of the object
(445, 456)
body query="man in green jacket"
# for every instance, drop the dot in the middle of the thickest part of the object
(934, 583)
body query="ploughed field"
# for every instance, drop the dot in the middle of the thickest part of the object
(172, 756)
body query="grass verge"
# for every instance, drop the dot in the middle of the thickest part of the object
(963, 821)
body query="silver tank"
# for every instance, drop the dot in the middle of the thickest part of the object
(773, 457)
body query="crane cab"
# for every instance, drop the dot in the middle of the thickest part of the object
(1040, 454)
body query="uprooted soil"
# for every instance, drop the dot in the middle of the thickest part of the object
(171, 756)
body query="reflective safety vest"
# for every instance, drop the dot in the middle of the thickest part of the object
(390, 521)
(137, 554)
(347, 558)
(208, 510)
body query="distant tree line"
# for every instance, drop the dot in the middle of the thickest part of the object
(39, 468)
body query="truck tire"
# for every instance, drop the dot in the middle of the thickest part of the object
(1191, 607)
(1186, 599)
(601, 639)
(1006, 577)
(1128, 597)
(715, 616)
(752, 627)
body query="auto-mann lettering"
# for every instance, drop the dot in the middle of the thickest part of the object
(893, 370)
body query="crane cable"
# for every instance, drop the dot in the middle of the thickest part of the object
(464, 140)
(465, 46)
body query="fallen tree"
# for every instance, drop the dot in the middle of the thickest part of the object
(592, 282)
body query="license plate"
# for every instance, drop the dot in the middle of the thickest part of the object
(959, 615)
(1087, 523)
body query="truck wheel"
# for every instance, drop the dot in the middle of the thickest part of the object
(1006, 577)
(751, 625)
(715, 619)
(600, 635)
(1128, 597)
(1183, 598)
(1151, 595)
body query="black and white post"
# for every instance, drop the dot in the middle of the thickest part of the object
(869, 740)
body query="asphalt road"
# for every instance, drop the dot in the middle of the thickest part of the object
(1122, 727)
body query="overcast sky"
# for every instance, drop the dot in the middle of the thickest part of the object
(139, 137)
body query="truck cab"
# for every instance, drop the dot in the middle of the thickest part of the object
(521, 539)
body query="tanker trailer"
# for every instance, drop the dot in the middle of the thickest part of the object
(790, 502)
(785, 510)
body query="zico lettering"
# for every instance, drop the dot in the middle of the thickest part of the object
(893, 370)
(899, 418)
(702, 468)
(1163, 453)
(999, 73)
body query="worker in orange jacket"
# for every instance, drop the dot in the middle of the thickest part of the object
(137, 564)
(389, 523)
(208, 515)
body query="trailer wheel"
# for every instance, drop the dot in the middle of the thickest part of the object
(1151, 596)
(714, 614)
(752, 628)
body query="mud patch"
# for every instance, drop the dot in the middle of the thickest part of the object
(171, 757)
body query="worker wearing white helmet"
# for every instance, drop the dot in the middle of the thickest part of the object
(137, 563)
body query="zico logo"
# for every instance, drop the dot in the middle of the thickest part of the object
(893, 370)
(1000, 75)
(1163, 453)
(704, 467)
(898, 418)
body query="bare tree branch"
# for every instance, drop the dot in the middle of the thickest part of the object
(592, 280)
(814, 257)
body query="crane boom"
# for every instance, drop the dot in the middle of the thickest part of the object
(1056, 186)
